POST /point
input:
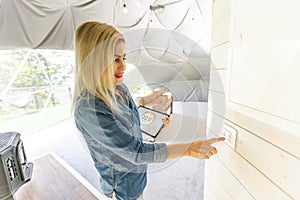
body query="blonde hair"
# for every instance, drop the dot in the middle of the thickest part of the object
(94, 52)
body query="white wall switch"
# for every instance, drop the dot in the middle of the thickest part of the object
(230, 135)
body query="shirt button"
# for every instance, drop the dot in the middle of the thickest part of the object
(130, 125)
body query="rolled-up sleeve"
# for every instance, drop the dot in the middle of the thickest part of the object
(161, 152)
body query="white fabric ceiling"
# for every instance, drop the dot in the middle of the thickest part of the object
(168, 40)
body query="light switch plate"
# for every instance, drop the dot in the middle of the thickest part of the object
(230, 134)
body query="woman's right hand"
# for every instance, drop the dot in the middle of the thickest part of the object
(203, 148)
(198, 149)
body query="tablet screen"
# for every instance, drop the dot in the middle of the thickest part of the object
(151, 120)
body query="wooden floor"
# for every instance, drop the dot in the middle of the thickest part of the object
(52, 180)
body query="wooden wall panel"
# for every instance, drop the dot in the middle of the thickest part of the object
(247, 174)
(265, 161)
(219, 56)
(216, 102)
(223, 182)
(221, 8)
(267, 127)
(276, 164)
(209, 193)
(217, 81)
(215, 122)
(221, 31)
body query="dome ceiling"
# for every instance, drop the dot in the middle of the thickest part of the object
(168, 41)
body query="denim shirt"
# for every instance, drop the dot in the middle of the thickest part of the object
(115, 144)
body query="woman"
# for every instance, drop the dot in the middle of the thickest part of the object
(107, 116)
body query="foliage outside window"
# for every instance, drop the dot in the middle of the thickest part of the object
(35, 88)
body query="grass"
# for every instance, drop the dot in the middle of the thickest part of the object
(30, 122)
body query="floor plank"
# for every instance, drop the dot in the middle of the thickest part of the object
(51, 180)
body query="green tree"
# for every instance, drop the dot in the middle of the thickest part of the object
(39, 74)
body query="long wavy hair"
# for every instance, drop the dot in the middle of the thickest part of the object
(94, 52)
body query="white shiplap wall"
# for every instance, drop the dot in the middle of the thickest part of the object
(264, 163)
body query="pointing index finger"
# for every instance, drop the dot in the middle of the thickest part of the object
(218, 139)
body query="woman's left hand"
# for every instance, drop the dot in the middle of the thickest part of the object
(166, 121)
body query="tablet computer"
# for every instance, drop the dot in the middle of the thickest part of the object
(151, 120)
